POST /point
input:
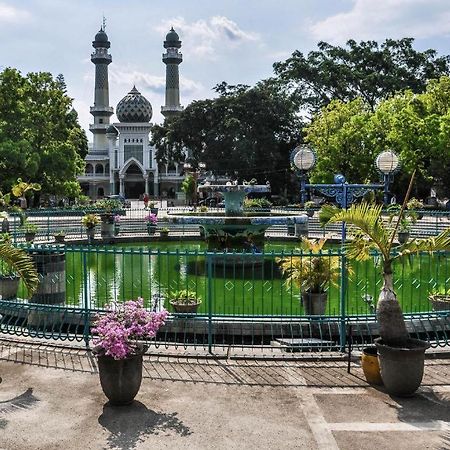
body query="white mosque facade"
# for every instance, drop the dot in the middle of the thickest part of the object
(121, 159)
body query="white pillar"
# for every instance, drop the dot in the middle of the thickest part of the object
(122, 185)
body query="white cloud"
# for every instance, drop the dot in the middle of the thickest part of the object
(203, 38)
(380, 19)
(10, 14)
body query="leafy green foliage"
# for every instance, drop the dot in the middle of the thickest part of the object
(246, 132)
(311, 272)
(40, 138)
(19, 262)
(184, 297)
(367, 70)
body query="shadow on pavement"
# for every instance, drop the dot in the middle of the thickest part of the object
(133, 423)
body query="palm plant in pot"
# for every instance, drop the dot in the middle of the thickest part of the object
(15, 264)
(312, 272)
(119, 339)
(184, 301)
(401, 358)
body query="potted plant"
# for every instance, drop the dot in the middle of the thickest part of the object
(119, 347)
(60, 237)
(312, 273)
(164, 232)
(153, 208)
(90, 221)
(117, 220)
(152, 221)
(309, 208)
(405, 221)
(414, 205)
(16, 264)
(401, 358)
(440, 299)
(184, 301)
(30, 230)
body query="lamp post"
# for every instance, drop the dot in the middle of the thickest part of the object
(387, 164)
(188, 168)
(344, 194)
(304, 159)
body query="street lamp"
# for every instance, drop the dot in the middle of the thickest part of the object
(304, 159)
(387, 164)
(188, 168)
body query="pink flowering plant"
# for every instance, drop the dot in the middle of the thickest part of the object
(151, 219)
(120, 330)
(117, 219)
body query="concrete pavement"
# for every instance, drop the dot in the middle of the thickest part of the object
(50, 398)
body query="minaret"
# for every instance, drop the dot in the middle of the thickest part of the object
(172, 59)
(101, 109)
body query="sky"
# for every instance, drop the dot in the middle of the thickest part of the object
(236, 41)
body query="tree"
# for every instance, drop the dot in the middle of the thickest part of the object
(366, 69)
(40, 138)
(349, 136)
(246, 132)
(338, 134)
(188, 187)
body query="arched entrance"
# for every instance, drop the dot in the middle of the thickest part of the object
(134, 182)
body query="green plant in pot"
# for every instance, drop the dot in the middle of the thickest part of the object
(416, 206)
(120, 341)
(164, 232)
(15, 264)
(440, 299)
(405, 221)
(184, 301)
(309, 208)
(312, 273)
(60, 237)
(90, 221)
(401, 358)
(30, 230)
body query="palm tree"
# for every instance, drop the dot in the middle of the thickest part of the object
(16, 260)
(371, 233)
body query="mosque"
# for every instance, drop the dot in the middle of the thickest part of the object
(121, 159)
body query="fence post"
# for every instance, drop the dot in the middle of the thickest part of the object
(209, 300)
(85, 300)
(342, 305)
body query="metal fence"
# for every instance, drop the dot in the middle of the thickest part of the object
(245, 301)
(49, 222)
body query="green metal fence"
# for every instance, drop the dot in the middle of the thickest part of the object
(245, 300)
(132, 223)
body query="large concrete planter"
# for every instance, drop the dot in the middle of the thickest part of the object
(120, 378)
(402, 367)
(9, 286)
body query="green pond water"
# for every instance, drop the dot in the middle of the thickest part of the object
(256, 289)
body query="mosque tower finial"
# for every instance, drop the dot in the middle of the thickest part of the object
(172, 58)
(101, 109)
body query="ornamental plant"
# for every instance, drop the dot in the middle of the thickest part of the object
(119, 331)
(90, 220)
(117, 219)
(151, 219)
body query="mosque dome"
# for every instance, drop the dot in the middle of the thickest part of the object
(134, 107)
(101, 39)
(172, 39)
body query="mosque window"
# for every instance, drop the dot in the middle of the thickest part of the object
(133, 151)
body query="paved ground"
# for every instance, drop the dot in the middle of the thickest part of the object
(50, 398)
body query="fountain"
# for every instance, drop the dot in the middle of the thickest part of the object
(236, 230)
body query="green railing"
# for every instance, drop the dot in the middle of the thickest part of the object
(245, 300)
(132, 224)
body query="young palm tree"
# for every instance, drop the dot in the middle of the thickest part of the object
(19, 262)
(371, 233)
